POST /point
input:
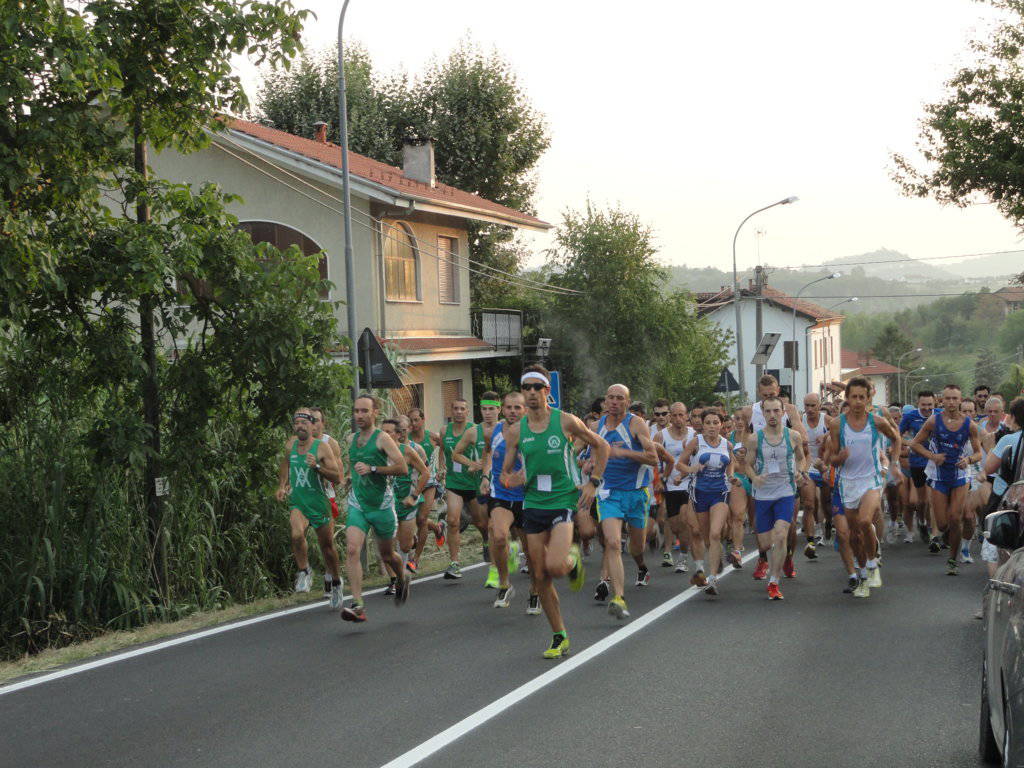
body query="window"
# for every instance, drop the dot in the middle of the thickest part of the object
(447, 270)
(282, 237)
(401, 263)
(450, 391)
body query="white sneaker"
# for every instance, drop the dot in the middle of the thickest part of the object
(524, 566)
(303, 580)
(908, 538)
(874, 577)
(336, 595)
(504, 598)
(681, 564)
(965, 554)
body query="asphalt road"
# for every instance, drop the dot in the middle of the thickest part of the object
(819, 679)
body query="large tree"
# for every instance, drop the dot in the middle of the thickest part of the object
(487, 135)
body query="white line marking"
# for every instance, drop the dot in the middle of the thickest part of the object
(478, 718)
(96, 663)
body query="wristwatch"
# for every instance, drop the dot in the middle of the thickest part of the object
(596, 481)
(373, 470)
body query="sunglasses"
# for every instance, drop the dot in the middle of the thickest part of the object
(661, 413)
(536, 386)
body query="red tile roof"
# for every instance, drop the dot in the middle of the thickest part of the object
(708, 302)
(863, 365)
(380, 173)
(438, 344)
(1010, 293)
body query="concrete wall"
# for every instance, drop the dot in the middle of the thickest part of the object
(430, 375)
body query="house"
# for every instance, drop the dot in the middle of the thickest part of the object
(410, 246)
(879, 373)
(817, 336)
(1012, 297)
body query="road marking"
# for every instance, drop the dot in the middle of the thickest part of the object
(481, 716)
(181, 640)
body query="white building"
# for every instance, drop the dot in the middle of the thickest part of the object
(817, 336)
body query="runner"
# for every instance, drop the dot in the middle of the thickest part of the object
(506, 505)
(319, 425)
(942, 440)
(993, 423)
(981, 395)
(741, 500)
(469, 452)
(678, 509)
(708, 457)
(977, 482)
(777, 467)
(840, 527)
(910, 425)
(855, 439)
(462, 485)
(543, 438)
(658, 509)
(625, 496)
(814, 494)
(373, 458)
(307, 465)
(408, 491)
(429, 442)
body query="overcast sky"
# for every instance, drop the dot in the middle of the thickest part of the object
(694, 114)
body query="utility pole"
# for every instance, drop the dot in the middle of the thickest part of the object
(760, 280)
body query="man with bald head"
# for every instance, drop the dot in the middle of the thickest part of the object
(681, 518)
(815, 496)
(626, 493)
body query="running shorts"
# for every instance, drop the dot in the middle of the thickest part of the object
(404, 513)
(383, 521)
(767, 512)
(947, 488)
(815, 477)
(515, 507)
(851, 491)
(629, 505)
(703, 501)
(675, 501)
(543, 520)
(837, 503)
(318, 514)
(466, 496)
(918, 477)
(745, 482)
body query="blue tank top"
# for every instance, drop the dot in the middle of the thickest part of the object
(624, 474)
(498, 490)
(944, 440)
(714, 460)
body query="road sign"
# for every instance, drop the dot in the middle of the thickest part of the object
(555, 396)
(377, 369)
(765, 348)
(727, 382)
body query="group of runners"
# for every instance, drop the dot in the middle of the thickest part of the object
(541, 485)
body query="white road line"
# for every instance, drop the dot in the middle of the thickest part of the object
(96, 663)
(481, 716)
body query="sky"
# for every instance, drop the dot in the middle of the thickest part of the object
(693, 114)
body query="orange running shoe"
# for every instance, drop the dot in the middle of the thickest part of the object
(761, 571)
(788, 569)
(774, 593)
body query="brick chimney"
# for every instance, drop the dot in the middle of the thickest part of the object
(321, 131)
(418, 160)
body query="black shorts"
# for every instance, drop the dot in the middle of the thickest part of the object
(542, 520)
(675, 501)
(515, 507)
(466, 496)
(917, 477)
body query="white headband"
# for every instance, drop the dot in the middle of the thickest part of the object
(535, 376)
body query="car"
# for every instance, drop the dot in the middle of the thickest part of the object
(1001, 732)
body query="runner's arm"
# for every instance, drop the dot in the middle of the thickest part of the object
(750, 443)
(468, 438)
(282, 473)
(917, 445)
(888, 428)
(683, 465)
(795, 422)
(396, 461)
(573, 427)
(642, 433)
(416, 457)
(975, 457)
(800, 454)
(327, 464)
(511, 451)
(836, 455)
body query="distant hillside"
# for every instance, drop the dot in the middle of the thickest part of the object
(894, 265)
(1000, 264)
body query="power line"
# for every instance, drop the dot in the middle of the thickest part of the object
(901, 261)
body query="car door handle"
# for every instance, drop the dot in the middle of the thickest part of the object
(1004, 586)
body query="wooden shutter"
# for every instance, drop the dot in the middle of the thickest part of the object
(447, 270)
(450, 392)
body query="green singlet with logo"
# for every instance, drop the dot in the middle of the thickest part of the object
(309, 492)
(458, 476)
(552, 477)
(403, 486)
(370, 502)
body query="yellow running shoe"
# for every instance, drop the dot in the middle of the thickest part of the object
(874, 578)
(559, 646)
(617, 608)
(578, 574)
(492, 578)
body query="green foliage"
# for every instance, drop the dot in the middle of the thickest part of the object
(891, 344)
(1011, 333)
(1013, 385)
(989, 368)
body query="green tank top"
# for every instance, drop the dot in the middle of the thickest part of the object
(458, 476)
(372, 490)
(403, 483)
(552, 477)
(309, 490)
(427, 445)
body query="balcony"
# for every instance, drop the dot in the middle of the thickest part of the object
(501, 328)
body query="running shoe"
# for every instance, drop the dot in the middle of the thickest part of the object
(355, 612)
(492, 578)
(533, 606)
(681, 564)
(774, 593)
(389, 590)
(908, 538)
(788, 569)
(851, 585)
(327, 587)
(504, 598)
(303, 580)
(559, 647)
(699, 579)
(761, 571)
(952, 568)
(524, 565)
(402, 589)
(874, 577)
(578, 572)
(712, 588)
(453, 571)
(734, 559)
(617, 608)
(410, 566)
(934, 545)
(666, 560)
(965, 554)
(922, 531)
(513, 556)
(862, 589)
(643, 577)
(602, 591)
(336, 596)
(442, 529)
(809, 552)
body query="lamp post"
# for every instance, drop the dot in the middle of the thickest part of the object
(906, 381)
(793, 351)
(912, 381)
(346, 205)
(899, 363)
(736, 293)
(844, 301)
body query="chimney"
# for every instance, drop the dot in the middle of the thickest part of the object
(321, 131)
(418, 160)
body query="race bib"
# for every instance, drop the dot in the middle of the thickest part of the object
(457, 466)
(544, 483)
(773, 467)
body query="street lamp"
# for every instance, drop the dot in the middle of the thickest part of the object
(793, 351)
(906, 381)
(346, 205)
(911, 381)
(736, 293)
(899, 362)
(844, 301)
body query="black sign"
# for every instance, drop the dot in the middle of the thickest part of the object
(378, 372)
(727, 382)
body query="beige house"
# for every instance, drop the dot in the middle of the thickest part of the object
(410, 245)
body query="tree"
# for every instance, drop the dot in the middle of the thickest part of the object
(1013, 386)
(621, 326)
(891, 344)
(487, 135)
(1011, 333)
(988, 369)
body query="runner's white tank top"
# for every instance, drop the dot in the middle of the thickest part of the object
(758, 421)
(814, 434)
(862, 463)
(775, 462)
(676, 448)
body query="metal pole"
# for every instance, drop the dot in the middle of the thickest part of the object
(792, 352)
(350, 288)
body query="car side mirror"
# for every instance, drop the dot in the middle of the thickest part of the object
(1002, 528)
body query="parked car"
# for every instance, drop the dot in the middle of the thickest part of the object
(1001, 738)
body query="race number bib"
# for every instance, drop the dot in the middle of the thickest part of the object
(544, 483)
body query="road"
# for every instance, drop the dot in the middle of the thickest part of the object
(819, 679)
